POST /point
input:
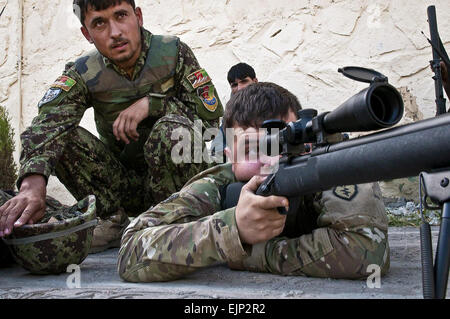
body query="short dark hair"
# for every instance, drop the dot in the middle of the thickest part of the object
(98, 5)
(257, 103)
(240, 71)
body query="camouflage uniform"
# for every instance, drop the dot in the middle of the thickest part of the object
(132, 176)
(340, 232)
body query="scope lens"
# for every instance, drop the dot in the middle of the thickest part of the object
(378, 107)
(386, 105)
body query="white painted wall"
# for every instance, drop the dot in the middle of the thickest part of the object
(298, 44)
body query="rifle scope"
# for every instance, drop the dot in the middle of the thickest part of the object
(376, 107)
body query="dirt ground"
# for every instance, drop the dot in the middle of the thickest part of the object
(99, 279)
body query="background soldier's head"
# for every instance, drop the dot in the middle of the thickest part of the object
(245, 113)
(114, 27)
(240, 76)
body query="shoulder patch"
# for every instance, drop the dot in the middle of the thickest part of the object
(64, 82)
(198, 78)
(49, 96)
(206, 94)
(346, 192)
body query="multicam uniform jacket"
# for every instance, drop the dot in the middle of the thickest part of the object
(340, 233)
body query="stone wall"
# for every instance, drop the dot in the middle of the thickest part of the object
(298, 44)
(10, 68)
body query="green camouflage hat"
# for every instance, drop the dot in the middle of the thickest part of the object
(58, 241)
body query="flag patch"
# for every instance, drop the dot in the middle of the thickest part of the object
(64, 82)
(198, 78)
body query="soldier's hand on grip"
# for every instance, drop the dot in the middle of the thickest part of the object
(257, 217)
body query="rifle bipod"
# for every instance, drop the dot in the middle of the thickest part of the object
(435, 277)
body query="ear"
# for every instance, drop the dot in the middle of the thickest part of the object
(255, 80)
(139, 15)
(86, 34)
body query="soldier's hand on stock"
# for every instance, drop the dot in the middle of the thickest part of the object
(28, 207)
(257, 217)
(124, 128)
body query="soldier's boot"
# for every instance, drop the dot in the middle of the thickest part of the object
(108, 232)
(255, 262)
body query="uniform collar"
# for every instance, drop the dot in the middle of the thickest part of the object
(146, 38)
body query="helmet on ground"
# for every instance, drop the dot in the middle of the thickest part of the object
(57, 241)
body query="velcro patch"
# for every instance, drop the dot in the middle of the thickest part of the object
(198, 78)
(346, 192)
(64, 82)
(206, 94)
(49, 96)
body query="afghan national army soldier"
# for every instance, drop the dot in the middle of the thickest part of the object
(142, 87)
(338, 233)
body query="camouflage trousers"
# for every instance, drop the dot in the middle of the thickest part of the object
(350, 235)
(89, 167)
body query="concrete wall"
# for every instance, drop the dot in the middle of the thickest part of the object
(298, 44)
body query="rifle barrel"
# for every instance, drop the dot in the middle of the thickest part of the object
(394, 153)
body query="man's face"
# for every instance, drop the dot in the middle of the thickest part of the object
(239, 84)
(115, 33)
(247, 160)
